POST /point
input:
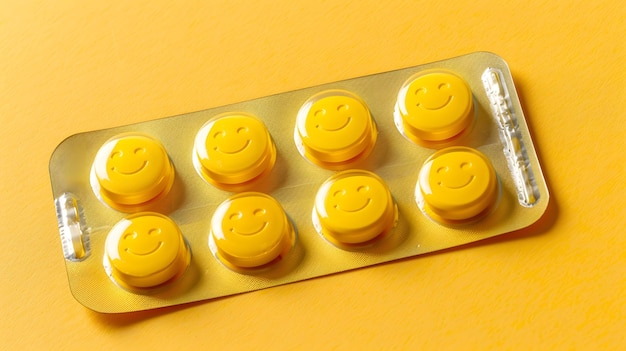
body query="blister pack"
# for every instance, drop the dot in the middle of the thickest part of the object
(295, 185)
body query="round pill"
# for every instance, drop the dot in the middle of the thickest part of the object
(144, 250)
(434, 106)
(233, 148)
(353, 207)
(457, 184)
(132, 169)
(249, 230)
(335, 128)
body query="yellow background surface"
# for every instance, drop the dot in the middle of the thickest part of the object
(68, 67)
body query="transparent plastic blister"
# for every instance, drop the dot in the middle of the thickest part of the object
(295, 185)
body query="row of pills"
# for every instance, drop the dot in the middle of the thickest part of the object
(333, 129)
(248, 231)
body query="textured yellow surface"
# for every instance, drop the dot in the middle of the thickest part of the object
(71, 67)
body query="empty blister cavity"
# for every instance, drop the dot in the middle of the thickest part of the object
(457, 185)
(354, 207)
(131, 171)
(232, 150)
(145, 250)
(250, 231)
(514, 150)
(434, 108)
(334, 128)
(74, 236)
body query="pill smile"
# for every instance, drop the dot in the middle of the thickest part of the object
(145, 253)
(334, 129)
(457, 186)
(252, 232)
(356, 209)
(143, 165)
(446, 103)
(229, 152)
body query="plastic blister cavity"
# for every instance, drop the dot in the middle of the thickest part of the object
(457, 185)
(250, 231)
(232, 150)
(354, 207)
(145, 250)
(334, 129)
(514, 149)
(131, 171)
(72, 229)
(434, 108)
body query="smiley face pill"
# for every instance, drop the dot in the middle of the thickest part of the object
(457, 185)
(232, 149)
(131, 170)
(250, 230)
(354, 207)
(334, 128)
(434, 107)
(145, 250)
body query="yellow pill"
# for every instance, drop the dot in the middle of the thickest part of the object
(433, 107)
(335, 128)
(353, 207)
(457, 184)
(132, 169)
(249, 230)
(232, 149)
(144, 250)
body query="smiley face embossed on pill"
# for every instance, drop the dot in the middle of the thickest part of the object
(333, 128)
(457, 184)
(355, 196)
(353, 207)
(231, 142)
(130, 170)
(233, 148)
(128, 162)
(457, 176)
(354, 199)
(145, 250)
(250, 230)
(245, 220)
(433, 107)
(335, 116)
(143, 243)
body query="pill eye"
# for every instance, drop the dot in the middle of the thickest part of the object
(421, 90)
(319, 113)
(363, 189)
(235, 216)
(339, 192)
(259, 212)
(154, 232)
(130, 236)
